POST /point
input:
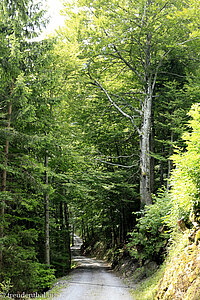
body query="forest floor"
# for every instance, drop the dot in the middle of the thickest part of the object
(92, 279)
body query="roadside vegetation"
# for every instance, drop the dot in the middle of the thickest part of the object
(100, 135)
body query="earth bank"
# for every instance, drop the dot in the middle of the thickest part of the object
(177, 278)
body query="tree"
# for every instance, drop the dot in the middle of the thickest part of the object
(13, 32)
(36, 212)
(123, 45)
(48, 88)
(28, 73)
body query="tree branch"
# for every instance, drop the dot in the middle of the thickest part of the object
(117, 165)
(115, 105)
(122, 156)
(129, 105)
(157, 68)
(123, 59)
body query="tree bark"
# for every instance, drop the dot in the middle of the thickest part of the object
(47, 236)
(61, 215)
(4, 177)
(113, 231)
(162, 169)
(72, 237)
(145, 159)
(83, 231)
(66, 214)
(152, 149)
(170, 163)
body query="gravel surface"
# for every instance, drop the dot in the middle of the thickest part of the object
(92, 280)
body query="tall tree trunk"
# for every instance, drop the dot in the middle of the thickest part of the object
(83, 231)
(113, 231)
(4, 177)
(47, 239)
(68, 250)
(72, 238)
(152, 149)
(124, 224)
(145, 159)
(121, 225)
(170, 163)
(162, 169)
(61, 215)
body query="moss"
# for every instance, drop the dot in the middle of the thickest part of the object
(147, 289)
(197, 237)
(182, 275)
(194, 291)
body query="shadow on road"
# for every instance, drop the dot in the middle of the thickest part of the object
(92, 279)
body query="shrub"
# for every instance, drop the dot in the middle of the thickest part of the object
(25, 273)
(149, 238)
(5, 287)
(185, 180)
(43, 277)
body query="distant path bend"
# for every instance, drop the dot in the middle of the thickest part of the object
(92, 280)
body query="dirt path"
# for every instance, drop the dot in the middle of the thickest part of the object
(92, 280)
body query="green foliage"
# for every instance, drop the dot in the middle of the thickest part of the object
(30, 85)
(147, 289)
(44, 277)
(5, 287)
(107, 49)
(27, 275)
(186, 176)
(58, 111)
(149, 238)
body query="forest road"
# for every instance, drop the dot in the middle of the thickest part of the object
(92, 280)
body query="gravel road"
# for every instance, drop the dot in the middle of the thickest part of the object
(92, 280)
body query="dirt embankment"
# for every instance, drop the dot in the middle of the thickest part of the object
(123, 264)
(181, 280)
(180, 275)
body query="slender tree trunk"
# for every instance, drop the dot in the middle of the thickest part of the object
(113, 231)
(145, 159)
(121, 228)
(83, 231)
(4, 178)
(87, 231)
(124, 224)
(162, 169)
(73, 231)
(66, 214)
(61, 214)
(47, 239)
(152, 148)
(170, 163)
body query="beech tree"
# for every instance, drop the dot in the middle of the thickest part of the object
(123, 44)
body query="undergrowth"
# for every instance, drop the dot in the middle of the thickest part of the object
(146, 290)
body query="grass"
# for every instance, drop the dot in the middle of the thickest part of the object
(147, 289)
(180, 274)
